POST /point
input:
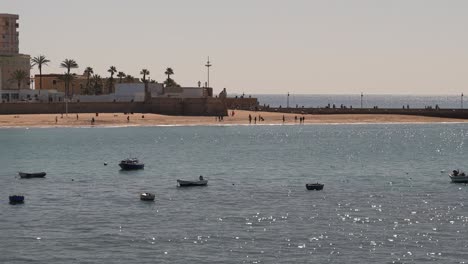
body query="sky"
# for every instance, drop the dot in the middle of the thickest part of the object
(259, 46)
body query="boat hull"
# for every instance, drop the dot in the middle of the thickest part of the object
(459, 179)
(16, 199)
(147, 197)
(183, 183)
(25, 175)
(124, 166)
(314, 186)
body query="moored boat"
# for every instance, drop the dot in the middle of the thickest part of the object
(32, 175)
(16, 199)
(458, 177)
(200, 182)
(314, 186)
(147, 196)
(131, 164)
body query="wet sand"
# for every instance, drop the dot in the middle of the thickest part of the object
(239, 118)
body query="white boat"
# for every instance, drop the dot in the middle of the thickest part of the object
(200, 182)
(458, 177)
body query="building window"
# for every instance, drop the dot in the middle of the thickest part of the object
(14, 96)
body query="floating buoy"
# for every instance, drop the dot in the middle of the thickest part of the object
(105, 163)
(16, 199)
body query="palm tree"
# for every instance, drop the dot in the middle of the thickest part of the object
(67, 77)
(121, 75)
(39, 61)
(169, 72)
(88, 72)
(19, 76)
(97, 84)
(111, 70)
(68, 64)
(144, 72)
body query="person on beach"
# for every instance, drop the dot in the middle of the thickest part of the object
(76, 116)
(284, 119)
(92, 121)
(295, 118)
(255, 120)
(128, 119)
(56, 120)
(250, 119)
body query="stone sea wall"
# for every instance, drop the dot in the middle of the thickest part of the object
(167, 106)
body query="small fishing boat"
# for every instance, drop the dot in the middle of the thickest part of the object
(200, 182)
(147, 196)
(458, 177)
(131, 164)
(16, 199)
(314, 186)
(32, 175)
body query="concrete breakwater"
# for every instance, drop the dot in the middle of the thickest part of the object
(447, 113)
(166, 106)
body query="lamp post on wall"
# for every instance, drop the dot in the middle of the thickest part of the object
(462, 101)
(287, 103)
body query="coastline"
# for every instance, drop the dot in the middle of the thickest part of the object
(240, 118)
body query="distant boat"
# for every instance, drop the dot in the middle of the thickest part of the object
(131, 164)
(458, 177)
(16, 199)
(32, 175)
(314, 186)
(147, 196)
(200, 182)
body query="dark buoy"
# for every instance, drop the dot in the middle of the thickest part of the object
(16, 199)
(105, 163)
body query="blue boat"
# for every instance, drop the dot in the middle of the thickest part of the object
(16, 199)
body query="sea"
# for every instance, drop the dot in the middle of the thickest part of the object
(354, 100)
(387, 196)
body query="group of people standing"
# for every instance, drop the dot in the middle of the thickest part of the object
(260, 118)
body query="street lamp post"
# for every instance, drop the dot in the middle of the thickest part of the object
(208, 65)
(462, 101)
(361, 98)
(287, 103)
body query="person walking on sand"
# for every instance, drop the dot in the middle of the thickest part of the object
(255, 120)
(92, 121)
(56, 119)
(284, 119)
(76, 116)
(250, 119)
(128, 119)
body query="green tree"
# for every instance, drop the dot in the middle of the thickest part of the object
(40, 61)
(67, 78)
(19, 76)
(144, 72)
(121, 75)
(112, 70)
(129, 78)
(68, 64)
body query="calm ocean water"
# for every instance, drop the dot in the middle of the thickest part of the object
(369, 100)
(387, 196)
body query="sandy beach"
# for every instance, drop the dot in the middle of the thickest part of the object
(239, 118)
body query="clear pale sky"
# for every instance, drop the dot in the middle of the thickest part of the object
(259, 46)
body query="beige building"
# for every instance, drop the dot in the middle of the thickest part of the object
(56, 82)
(10, 58)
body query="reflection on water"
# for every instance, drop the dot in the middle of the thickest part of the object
(387, 195)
